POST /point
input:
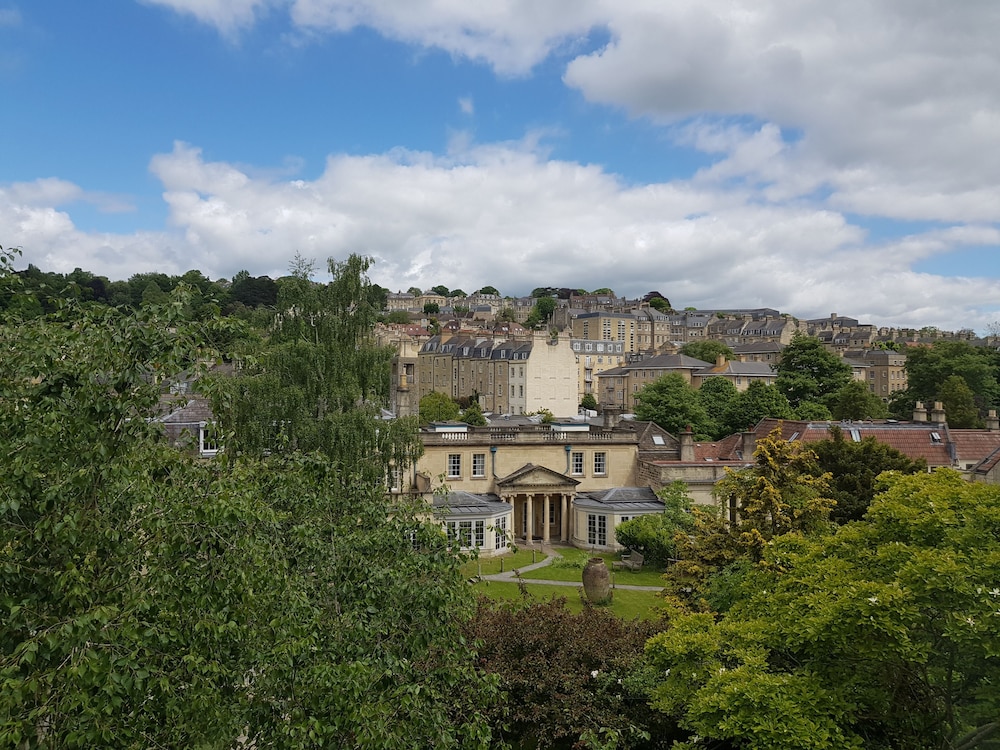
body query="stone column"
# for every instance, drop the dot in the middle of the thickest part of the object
(564, 517)
(546, 510)
(529, 529)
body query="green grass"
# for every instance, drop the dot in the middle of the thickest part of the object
(625, 604)
(569, 567)
(491, 565)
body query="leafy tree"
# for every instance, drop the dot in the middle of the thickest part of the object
(881, 635)
(431, 308)
(856, 401)
(541, 312)
(812, 411)
(604, 290)
(959, 402)
(854, 469)
(717, 396)
(489, 290)
(457, 293)
(808, 372)
(438, 407)
(754, 404)
(927, 368)
(661, 304)
(571, 680)
(473, 414)
(398, 317)
(655, 534)
(673, 404)
(440, 289)
(783, 491)
(507, 315)
(414, 290)
(153, 295)
(588, 402)
(707, 350)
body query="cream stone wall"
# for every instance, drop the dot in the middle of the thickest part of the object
(551, 376)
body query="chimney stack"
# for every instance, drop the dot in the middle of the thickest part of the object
(611, 415)
(749, 444)
(937, 413)
(992, 422)
(919, 412)
(687, 445)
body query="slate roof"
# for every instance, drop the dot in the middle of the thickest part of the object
(470, 504)
(621, 499)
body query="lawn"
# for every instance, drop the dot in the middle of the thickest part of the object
(491, 565)
(625, 604)
(569, 567)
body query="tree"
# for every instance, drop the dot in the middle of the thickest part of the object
(754, 404)
(570, 680)
(440, 289)
(854, 469)
(541, 312)
(489, 290)
(927, 368)
(438, 407)
(707, 350)
(812, 411)
(672, 403)
(588, 402)
(431, 308)
(150, 600)
(881, 635)
(856, 401)
(717, 396)
(808, 372)
(959, 402)
(398, 317)
(655, 534)
(473, 414)
(414, 290)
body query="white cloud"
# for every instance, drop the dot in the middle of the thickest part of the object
(466, 106)
(229, 16)
(505, 214)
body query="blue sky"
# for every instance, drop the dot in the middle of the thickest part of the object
(812, 156)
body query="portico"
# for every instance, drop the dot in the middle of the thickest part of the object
(542, 501)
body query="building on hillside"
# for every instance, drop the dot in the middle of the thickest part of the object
(508, 377)
(740, 374)
(618, 386)
(593, 358)
(764, 351)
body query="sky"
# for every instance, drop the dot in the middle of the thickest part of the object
(814, 156)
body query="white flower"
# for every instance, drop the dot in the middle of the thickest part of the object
(994, 592)
(595, 673)
(970, 621)
(873, 600)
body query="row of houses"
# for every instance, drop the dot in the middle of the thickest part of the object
(520, 480)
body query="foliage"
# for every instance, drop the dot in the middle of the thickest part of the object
(571, 680)
(959, 402)
(398, 317)
(856, 401)
(431, 308)
(707, 350)
(654, 534)
(473, 414)
(673, 404)
(854, 469)
(812, 411)
(927, 369)
(541, 312)
(150, 600)
(754, 404)
(808, 372)
(588, 402)
(882, 635)
(438, 407)
(717, 395)
(489, 290)
(783, 491)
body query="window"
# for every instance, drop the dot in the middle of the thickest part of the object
(479, 465)
(208, 439)
(454, 465)
(480, 534)
(501, 533)
(576, 464)
(600, 462)
(597, 530)
(465, 533)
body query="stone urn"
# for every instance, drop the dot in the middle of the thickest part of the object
(597, 581)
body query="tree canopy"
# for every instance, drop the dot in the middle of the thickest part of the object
(707, 350)
(673, 404)
(809, 372)
(438, 407)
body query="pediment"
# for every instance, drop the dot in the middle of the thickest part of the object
(536, 477)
